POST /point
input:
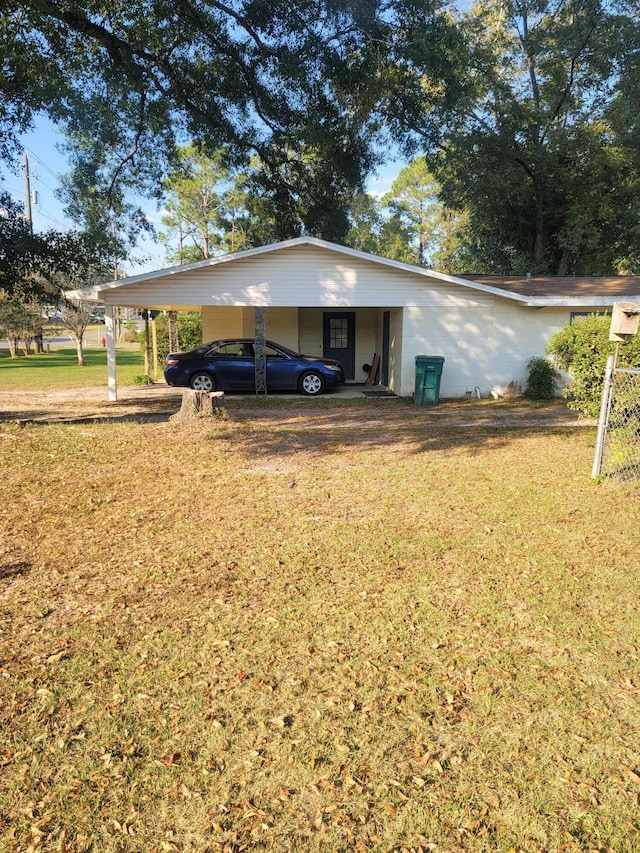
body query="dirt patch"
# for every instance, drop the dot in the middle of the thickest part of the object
(80, 404)
(346, 409)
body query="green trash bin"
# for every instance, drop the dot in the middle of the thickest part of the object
(428, 375)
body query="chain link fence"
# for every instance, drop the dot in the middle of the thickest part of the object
(621, 441)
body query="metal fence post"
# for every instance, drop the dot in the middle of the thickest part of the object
(605, 406)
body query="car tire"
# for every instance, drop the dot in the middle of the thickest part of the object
(202, 382)
(311, 383)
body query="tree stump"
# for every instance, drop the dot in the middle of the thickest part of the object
(200, 404)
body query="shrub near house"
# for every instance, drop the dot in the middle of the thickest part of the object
(581, 349)
(189, 325)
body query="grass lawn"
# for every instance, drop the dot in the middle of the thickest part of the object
(60, 369)
(372, 634)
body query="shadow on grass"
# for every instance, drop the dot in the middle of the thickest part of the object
(444, 438)
(344, 424)
(12, 570)
(283, 427)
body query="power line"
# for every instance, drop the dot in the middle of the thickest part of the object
(53, 219)
(41, 162)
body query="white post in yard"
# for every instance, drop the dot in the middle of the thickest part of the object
(603, 420)
(111, 352)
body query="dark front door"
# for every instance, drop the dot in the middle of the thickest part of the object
(386, 335)
(339, 339)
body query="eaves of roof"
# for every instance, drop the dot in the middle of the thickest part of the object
(94, 292)
(534, 291)
(549, 291)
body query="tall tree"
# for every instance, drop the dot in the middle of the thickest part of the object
(274, 78)
(195, 186)
(31, 264)
(530, 149)
(414, 199)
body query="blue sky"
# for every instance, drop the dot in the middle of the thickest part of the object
(46, 164)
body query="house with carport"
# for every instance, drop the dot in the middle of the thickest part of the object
(332, 301)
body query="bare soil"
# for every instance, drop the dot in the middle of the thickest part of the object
(345, 408)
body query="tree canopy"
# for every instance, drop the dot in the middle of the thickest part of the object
(526, 112)
(540, 149)
(130, 81)
(38, 266)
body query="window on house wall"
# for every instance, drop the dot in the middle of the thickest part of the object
(576, 315)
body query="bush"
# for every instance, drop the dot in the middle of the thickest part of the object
(542, 379)
(581, 349)
(189, 333)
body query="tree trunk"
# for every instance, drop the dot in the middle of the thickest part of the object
(539, 241)
(563, 266)
(80, 352)
(200, 404)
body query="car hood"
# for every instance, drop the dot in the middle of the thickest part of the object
(316, 358)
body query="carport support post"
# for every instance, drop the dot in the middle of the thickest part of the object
(260, 349)
(111, 352)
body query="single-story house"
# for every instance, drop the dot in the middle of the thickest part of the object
(329, 300)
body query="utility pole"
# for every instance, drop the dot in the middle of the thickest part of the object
(27, 193)
(28, 215)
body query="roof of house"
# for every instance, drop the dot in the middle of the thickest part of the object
(562, 286)
(534, 291)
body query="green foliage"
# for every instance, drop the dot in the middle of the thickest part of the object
(305, 88)
(20, 322)
(141, 379)
(413, 199)
(189, 325)
(542, 379)
(195, 188)
(581, 349)
(40, 266)
(540, 146)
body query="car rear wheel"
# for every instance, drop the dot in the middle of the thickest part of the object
(311, 384)
(203, 382)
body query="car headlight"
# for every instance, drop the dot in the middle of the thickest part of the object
(331, 367)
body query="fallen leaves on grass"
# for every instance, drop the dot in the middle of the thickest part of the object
(442, 655)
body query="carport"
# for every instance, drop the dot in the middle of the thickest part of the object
(304, 294)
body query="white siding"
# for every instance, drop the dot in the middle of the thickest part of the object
(482, 347)
(301, 276)
(462, 335)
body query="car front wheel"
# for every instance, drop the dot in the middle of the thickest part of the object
(203, 382)
(311, 384)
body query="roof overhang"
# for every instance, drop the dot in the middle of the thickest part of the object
(577, 302)
(111, 290)
(98, 292)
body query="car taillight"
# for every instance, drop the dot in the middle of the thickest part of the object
(171, 362)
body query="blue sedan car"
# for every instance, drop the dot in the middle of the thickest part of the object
(230, 365)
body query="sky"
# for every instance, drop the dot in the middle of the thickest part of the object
(46, 164)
